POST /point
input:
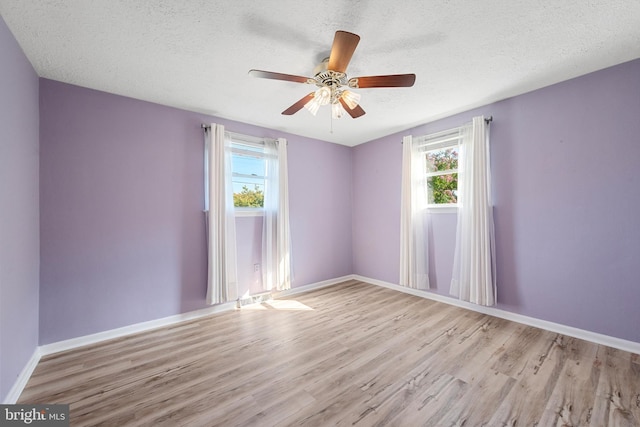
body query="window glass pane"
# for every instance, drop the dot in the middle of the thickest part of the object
(443, 189)
(248, 165)
(251, 183)
(248, 181)
(248, 196)
(442, 160)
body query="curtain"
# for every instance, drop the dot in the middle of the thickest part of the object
(414, 263)
(473, 276)
(276, 238)
(222, 283)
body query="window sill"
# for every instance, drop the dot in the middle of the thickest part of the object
(434, 209)
(241, 212)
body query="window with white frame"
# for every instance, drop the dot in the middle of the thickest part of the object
(249, 168)
(441, 156)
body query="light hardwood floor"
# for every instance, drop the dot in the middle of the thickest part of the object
(350, 354)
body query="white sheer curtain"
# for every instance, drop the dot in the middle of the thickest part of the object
(276, 240)
(414, 262)
(222, 283)
(473, 277)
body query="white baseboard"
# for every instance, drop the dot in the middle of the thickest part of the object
(132, 329)
(46, 349)
(619, 343)
(157, 323)
(21, 381)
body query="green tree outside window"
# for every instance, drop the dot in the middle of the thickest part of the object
(443, 188)
(249, 198)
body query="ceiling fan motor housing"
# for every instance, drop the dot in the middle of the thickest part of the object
(333, 80)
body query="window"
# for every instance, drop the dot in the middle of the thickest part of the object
(248, 164)
(441, 157)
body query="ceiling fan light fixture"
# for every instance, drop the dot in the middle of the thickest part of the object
(337, 111)
(323, 95)
(351, 98)
(313, 106)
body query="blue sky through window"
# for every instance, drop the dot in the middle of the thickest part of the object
(245, 165)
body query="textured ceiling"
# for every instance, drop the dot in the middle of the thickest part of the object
(195, 54)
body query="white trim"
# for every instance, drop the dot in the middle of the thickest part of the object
(46, 349)
(595, 337)
(619, 343)
(244, 139)
(442, 172)
(242, 212)
(23, 378)
(443, 208)
(165, 321)
(132, 329)
(436, 138)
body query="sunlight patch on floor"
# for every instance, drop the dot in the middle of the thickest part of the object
(287, 304)
(254, 306)
(278, 304)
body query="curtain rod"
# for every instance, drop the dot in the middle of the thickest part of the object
(242, 137)
(487, 121)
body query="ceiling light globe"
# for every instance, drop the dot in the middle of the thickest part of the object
(323, 95)
(351, 98)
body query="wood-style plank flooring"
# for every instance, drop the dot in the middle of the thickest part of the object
(351, 354)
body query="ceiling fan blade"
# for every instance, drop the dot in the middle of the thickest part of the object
(344, 44)
(393, 80)
(355, 112)
(298, 105)
(278, 76)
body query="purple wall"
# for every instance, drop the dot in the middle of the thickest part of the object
(122, 228)
(19, 237)
(320, 204)
(376, 208)
(122, 233)
(567, 203)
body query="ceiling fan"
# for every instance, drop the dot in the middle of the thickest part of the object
(333, 85)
